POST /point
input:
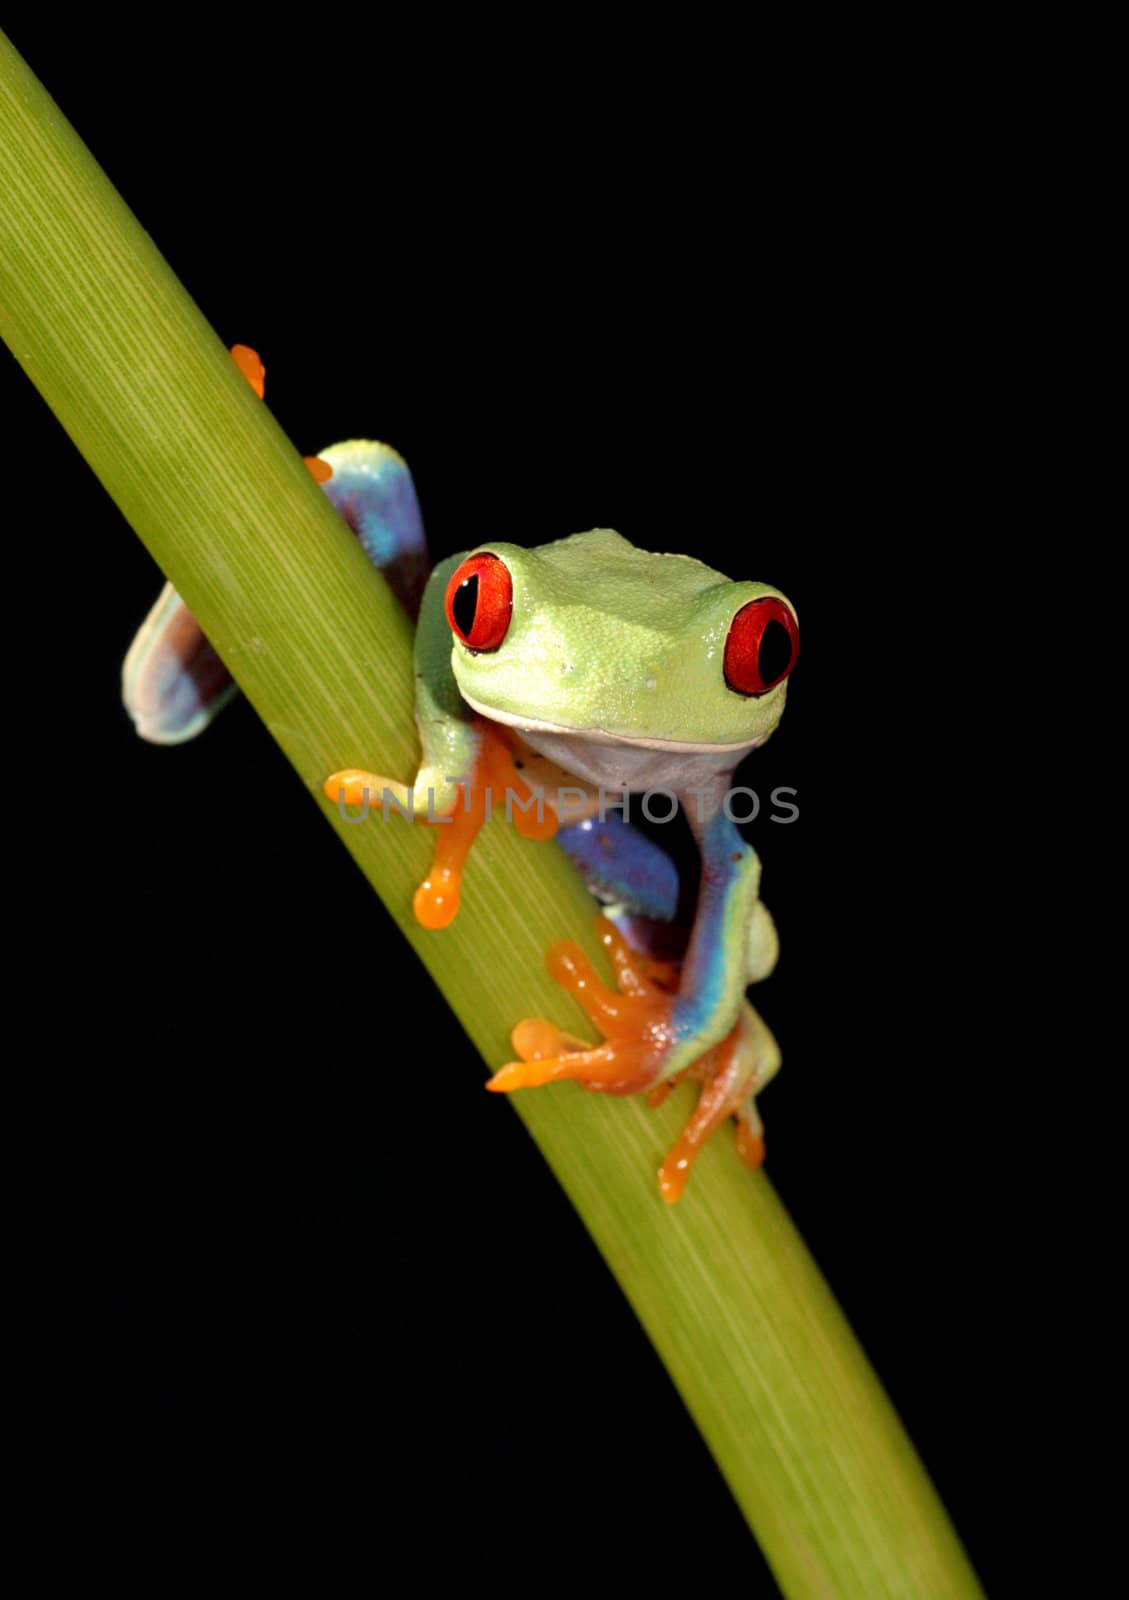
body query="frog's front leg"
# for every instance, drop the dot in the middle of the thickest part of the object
(456, 809)
(466, 768)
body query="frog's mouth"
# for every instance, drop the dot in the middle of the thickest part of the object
(603, 735)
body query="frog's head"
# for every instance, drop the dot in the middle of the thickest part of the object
(593, 637)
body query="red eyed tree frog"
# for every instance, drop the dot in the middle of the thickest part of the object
(580, 671)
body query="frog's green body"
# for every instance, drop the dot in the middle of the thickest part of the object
(604, 669)
(611, 666)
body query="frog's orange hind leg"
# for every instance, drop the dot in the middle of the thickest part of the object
(731, 1074)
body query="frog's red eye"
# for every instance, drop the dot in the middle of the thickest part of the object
(480, 601)
(762, 646)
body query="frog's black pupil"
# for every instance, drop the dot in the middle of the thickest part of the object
(775, 654)
(465, 605)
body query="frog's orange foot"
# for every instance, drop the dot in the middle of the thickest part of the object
(637, 1026)
(636, 1022)
(251, 366)
(353, 787)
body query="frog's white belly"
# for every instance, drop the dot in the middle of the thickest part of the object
(620, 766)
(614, 761)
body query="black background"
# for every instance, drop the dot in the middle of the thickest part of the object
(311, 1257)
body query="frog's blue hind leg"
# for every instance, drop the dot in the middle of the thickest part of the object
(635, 881)
(373, 490)
(638, 885)
(174, 683)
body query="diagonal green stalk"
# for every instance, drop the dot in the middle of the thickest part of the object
(723, 1284)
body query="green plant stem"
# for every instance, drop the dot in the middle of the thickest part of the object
(723, 1284)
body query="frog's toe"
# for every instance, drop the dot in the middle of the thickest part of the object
(750, 1137)
(548, 1055)
(349, 788)
(635, 971)
(534, 1039)
(610, 1068)
(355, 787)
